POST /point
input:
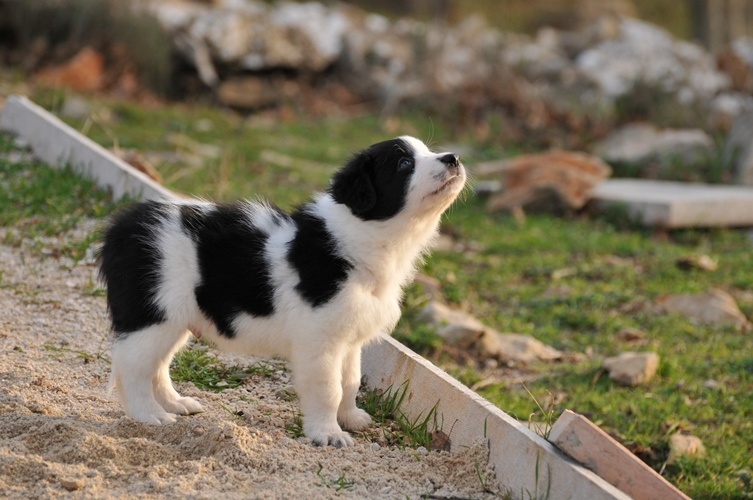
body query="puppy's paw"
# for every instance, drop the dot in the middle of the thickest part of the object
(355, 419)
(154, 418)
(339, 439)
(183, 406)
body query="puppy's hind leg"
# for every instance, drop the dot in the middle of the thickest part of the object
(137, 360)
(164, 392)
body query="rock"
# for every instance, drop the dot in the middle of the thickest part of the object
(631, 335)
(439, 314)
(255, 36)
(643, 53)
(737, 62)
(430, 285)
(561, 177)
(738, 148)
(643, 142)
(701, 262)
(715, 308)
(683, 445)
(516, 347)
(465, 334)
(632, 368)
(249, 92)
(83, 73)
(456, 328)
(462, 330)
(72, 484)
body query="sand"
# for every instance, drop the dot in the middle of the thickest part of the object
(61, 433)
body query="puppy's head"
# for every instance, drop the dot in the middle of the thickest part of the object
(396, 176)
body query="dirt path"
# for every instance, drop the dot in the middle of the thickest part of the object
(60, 431)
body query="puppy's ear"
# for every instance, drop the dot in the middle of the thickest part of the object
(352, 185)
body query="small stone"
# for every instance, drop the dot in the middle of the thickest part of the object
(440, 441)
(682, 445)
(713, 385)
(375, 447)
(439, 314)
(430, 285)
(701, 262)
(715, 308)
(632, 368)
(631, 335)
(516, 347)
(422, 451)
(463, 334)
(72, 484)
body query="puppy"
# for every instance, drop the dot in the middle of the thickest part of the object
(312, 286)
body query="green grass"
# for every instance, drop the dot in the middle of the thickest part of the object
(42, 204)
(197, 365)
(397, 428)
(507, 280)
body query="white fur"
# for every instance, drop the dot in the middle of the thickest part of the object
(323, 344)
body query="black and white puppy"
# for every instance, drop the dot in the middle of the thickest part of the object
(312, 287)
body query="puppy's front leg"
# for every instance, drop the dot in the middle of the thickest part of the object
(316, 376)
(349, 416)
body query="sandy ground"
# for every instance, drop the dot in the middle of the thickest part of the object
(61, 433)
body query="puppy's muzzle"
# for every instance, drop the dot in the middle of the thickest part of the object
(452, 162)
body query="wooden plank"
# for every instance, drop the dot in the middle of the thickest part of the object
(526, 465)
(58, 145)
(677, 204)
(588, 444)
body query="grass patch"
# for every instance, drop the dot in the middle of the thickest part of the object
(397, 428)
(196, 365)
(39, 205)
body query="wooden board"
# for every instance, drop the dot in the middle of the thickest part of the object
(588, 444)
(58, 145)
(677, 204)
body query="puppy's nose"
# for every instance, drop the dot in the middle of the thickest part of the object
(450, 159)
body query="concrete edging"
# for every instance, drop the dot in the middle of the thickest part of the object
(525, 464)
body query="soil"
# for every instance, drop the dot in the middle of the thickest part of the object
(62, 433)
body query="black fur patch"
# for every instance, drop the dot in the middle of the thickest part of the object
(372, 184)
(312, 254)
(234, 271)
(129, 266)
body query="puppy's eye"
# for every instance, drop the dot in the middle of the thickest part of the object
(405, 165)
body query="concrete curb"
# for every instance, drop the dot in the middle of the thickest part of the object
(59, 145)
(526, 465)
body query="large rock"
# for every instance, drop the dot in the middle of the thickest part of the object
(641, 143)
(715, 308)
(560, 178)
(738, 149)
(645, 54)
(632, 368)
(82, 73)
(255, 36)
